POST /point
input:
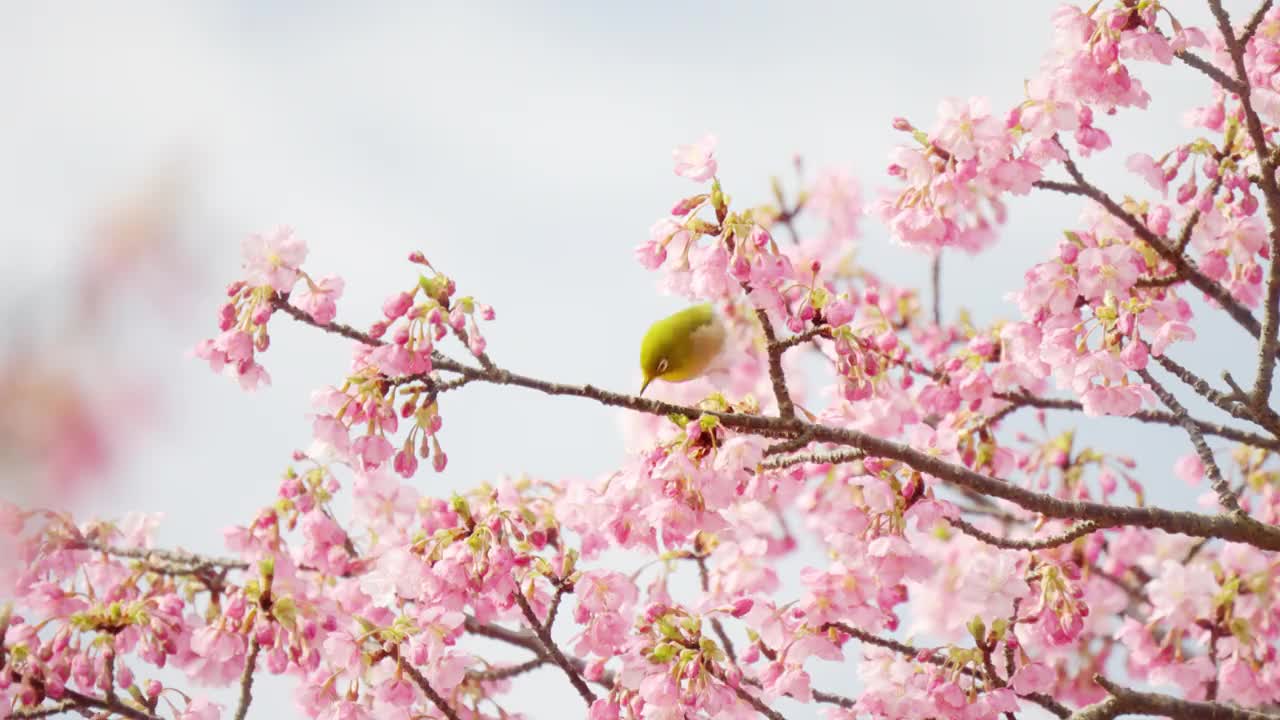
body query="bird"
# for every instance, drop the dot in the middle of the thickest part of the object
(682, 346)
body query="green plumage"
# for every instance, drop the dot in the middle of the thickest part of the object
(681, 346)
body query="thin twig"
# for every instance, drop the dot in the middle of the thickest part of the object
(180, 557)
(44, 712)
(510, 671)
(549, 646)
(935, 275)
(1261, 395)
(425, 686)
(756, 703)
(1070, 535)
(786, 408)
(786, 446)
(1149, 416)
(1192, 60)
(1251, 27)
(806, 336)
(246, 680)
(716, 625)
(1225, 496)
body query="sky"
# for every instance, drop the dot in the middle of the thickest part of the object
(524, 148)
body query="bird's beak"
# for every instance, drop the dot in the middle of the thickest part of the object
(645, 385)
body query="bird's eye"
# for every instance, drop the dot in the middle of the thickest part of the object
(662, 366)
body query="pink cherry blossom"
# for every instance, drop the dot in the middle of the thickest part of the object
(696, 161)
(274, 259)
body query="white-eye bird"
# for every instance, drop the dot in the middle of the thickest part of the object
(681, 347)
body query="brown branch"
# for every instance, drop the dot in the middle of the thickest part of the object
(1251, 27)
(756, 703)
(835, 457)
(1202, 282)
(787, 446)
(504, 673)
(786, 408)
(1225, 496)
(550, 648)
(44, 712)
(806, 336)
(75, 699)
(914, 653)
(1149, 416)
(1164, 281)
(1192, 60)
(1237, 529)
(1124, 701)
(1199, 384)
(716, 625)
(425, 686)
(246, 680)
(1271, 194)
(150, 555)
(529, 642)
(281, 302)
(1069, 535)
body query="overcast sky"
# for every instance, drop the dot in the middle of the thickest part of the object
(524, 148)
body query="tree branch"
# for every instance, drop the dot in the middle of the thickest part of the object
(246, 679)
(835, 457)
(1251, 27)
(1192, 60)
(1271, 194)
(1124, 701)
(75, 699)
(910, 651)
(747, 697)
(1149, 416)
(425, 686)
(716, 625)
(1237, 529)
(786, 408)
(1202, 282)
(1225, 497)
(550, 648)
(503, 673)
(806, 336)
(1070, 535)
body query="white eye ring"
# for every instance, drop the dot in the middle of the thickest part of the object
(662, 366)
